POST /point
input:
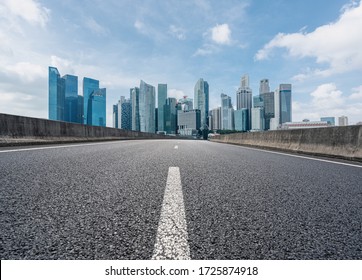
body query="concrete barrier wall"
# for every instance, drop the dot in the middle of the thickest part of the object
(340, 141)
(18, 130)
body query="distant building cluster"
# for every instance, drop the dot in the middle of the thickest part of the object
(65, 104)
(269, 110)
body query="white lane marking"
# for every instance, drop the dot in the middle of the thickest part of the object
(297, 156)
(176, 147)
(172, 238)
(57, 147)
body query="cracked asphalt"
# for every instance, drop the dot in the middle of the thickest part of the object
(104, 201)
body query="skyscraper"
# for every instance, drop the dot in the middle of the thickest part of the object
(115, 116)
(268, 108)
(97, 108)
(201, 98)
(147, 107)
(122, 113)
(56, 95)
(170, 113)
(216, 119)
(241, 120)
(227, 113)
(264, 86)
(285, 91)
(89, 86)
(135, 94)
(244, 97)
(188, 122)
(186, 104)
(71, 98)
(257, 115)
(161, 102)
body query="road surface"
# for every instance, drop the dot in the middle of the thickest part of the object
(176, 199)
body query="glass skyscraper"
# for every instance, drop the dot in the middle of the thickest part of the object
(97, 107)
(147, 107)
(56, 95)
(170, 113)
(89, 86)
(241, 120)
(161, 102)
(135, 96)
(285, 92)
(244, 98)
(227, 113)
(71, 98)
(201, 98)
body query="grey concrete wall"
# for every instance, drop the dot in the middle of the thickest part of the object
(19, 130)
(340, 141)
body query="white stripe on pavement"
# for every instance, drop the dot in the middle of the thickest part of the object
(172, 238)
(176, 147)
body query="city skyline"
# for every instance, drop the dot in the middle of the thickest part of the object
(229, 40)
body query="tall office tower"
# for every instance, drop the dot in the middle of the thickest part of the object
(126, 111)
(268, 108)
(241, 120)
(188, 122)
(330, 120)
(170, 115)
(147, 107)
(201, 94)
(135, 95)
(275, 121)
(257, 119)
(97, 108)
(258, 101)
(264, 86)
(89, 86)
(343, 121)
(80, 110)
(115, 116)
(186, 103)
(244, 97)
(56, 95)
(227, 113)
(71, 98)
(216, 119)
(285, 91)
(161, 102)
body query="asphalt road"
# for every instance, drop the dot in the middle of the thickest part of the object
(104, 201)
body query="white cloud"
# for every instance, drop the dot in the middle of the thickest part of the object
(29, 10)
(178, 94)
(356, 94)
(95, 27)
(221, 34)
(337, 44)
(328, 101)
(206, 49)
(139, 25)
(27, 71)
(177, 32)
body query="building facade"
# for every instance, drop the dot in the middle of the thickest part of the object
(241, 120)
(56, 95)
(147, 107)
(257, 115)
(244, 97)
(161, 102)
(135, 94)
(170, 112)
(89, 86)
(188, 122)
(97, 108)
(201, 98)
(343, 121)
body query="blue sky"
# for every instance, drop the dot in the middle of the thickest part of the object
(314, 45)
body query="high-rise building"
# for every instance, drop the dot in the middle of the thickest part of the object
(188, 122)
(257, 115)
(97, 108)
(285, 103)
(71, 98)
(330, 120)
(161, 101)
(115, 116)
(258, 101)
(227, 113)
(343, 121)
(268, 98)
(170, 113)
(215, 119)
(122, 114)
(201, 93)
(264, 86)
(56, 95)
(80, 109)
(135, 96)
(241, 120)
(147, 102)
(89, 86)
(244, 97)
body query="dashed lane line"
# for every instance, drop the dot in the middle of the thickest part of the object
(172, 238)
